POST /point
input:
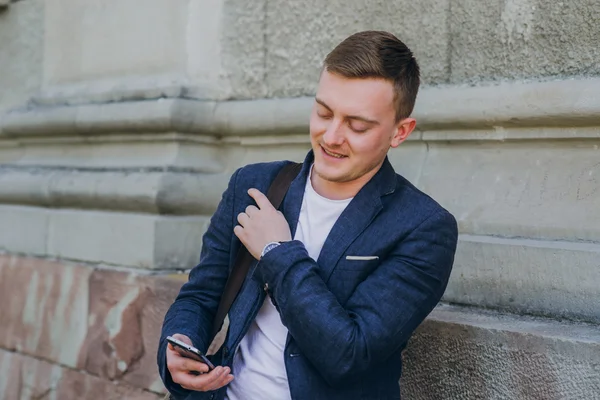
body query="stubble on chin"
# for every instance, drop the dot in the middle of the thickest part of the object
(329, 178)
(348, 176)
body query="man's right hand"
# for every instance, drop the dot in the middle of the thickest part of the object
(184, 371)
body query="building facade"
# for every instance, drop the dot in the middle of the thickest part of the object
(121, 121)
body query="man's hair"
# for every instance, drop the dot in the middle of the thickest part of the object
(378, 54)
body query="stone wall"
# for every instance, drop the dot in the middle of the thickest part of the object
(120, 124)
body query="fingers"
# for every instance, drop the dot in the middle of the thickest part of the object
(243, 219)
(261, 200)
(183, 338)
(251, 210)
(239, 232)
(184, 371)
(187, 365)
(213, 380)
(178, 363)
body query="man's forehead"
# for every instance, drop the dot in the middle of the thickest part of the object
(356, 94)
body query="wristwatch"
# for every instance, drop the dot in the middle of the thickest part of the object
(268, 247)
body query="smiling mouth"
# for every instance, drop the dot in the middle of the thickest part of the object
(335, 155)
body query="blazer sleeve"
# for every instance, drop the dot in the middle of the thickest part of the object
(193, 310)
(382, 313)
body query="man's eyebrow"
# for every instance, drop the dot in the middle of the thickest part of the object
(356, 117)
(321, 102)
(363, 119)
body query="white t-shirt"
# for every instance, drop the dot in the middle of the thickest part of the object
(258, 364)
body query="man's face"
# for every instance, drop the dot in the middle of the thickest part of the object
(352, 126)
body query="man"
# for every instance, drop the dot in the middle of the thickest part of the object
(355, 261)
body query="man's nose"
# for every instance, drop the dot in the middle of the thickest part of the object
(334, 135)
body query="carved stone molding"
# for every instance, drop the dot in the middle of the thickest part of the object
(564, 103)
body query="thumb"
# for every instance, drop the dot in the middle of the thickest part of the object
(183, 338)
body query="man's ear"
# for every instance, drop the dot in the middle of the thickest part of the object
(403, 130)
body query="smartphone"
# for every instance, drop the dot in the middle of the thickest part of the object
(189, 351)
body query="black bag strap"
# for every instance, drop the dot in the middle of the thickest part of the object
(244, 259)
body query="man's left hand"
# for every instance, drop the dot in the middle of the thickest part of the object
(261, 225)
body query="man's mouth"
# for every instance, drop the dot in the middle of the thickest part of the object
(332, 154)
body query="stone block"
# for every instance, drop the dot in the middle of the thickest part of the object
(137, 240)
(124, 323)
(21, 61)
(554, 278)
(116, 153)
(558, 108)
(30, 378)
(23, 229)
(523, 39)
(300, 34)
(125, 239)
(102, 322)
(409, 159)
(114, 40)
(472, 354)
(102, 237)
(205, 48)
(180, 193)
(178, 240)
(45, 306)
(529, 189)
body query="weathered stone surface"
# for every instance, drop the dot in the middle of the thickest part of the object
(300, 34)
(125, 316)
(460, 354)
(521, 39)
(521, 189)
(226, 49)
(527, 276)
(244, 41)
(106, 323)
(21, 52)
(27, 378)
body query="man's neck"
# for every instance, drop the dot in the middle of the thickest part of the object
(340, 190)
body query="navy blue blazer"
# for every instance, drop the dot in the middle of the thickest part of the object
(348, 320)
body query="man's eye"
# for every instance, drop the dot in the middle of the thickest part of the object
(358, 129)
(324, 116)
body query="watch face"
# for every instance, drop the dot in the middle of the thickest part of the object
(269, 247)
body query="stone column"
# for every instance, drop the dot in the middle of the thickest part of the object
(115, 147)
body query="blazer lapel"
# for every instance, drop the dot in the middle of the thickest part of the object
(356, 218)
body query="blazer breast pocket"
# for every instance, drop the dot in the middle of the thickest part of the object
(358, 262)
(349, 273)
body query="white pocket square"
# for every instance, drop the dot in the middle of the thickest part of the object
(362, 258)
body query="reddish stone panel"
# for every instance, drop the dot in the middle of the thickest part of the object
(160, 293)
(44, 307)
(104, 322)
(30, 378)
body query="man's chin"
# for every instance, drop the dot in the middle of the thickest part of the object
(330, 176)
